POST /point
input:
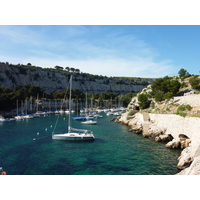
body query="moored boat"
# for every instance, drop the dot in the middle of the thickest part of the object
(73, 134)
(89, 122)
(2, 119)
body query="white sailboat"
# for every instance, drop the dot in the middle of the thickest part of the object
(73, 134)
(89, 120)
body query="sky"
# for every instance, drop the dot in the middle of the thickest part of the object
(110, 50)
(107, 37)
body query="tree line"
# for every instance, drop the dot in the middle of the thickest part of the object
(9, 97)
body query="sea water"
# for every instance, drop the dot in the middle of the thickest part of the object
(26, 148)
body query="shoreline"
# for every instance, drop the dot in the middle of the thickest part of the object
(175, 131)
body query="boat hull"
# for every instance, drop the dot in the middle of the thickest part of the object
(73, 137)
(89, 122)
(79, 118)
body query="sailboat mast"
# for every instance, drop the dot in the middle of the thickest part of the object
(17, 107)
(70, 97)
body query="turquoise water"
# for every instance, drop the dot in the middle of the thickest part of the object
(115, 151)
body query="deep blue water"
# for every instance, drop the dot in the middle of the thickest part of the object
(115, 151)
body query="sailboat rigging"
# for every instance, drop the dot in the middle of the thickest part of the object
(73, 134)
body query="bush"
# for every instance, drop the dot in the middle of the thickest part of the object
(181, 114)
(131, 112)
(184, 108)
(194, 82)
(143, 101)
(164, 88)
(159, 96)
(168, 95)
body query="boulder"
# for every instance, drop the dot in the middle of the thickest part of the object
(163, 138)
(174, 144)
(185, 158)
(154, 131)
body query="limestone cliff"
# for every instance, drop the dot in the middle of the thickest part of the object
(52, 80)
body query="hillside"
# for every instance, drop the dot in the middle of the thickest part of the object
(57, 79)
(186, 101)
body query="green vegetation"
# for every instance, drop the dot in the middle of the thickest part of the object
(195, 82)
(143, 101)
(183, 73)
(181, 114)
(164, 88)
(144, 81)
(131, 112)
(9, 97)
(184, 108)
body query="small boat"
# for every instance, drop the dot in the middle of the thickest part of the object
(2, 119)
(61, 111)
(28, 116)
(19, 117)
(89, 117)
(117, 113)
(89, 122)
(12, 119)
(79, 118)
(73, 134)
(40, 114)
(98, 116)
(109, 113)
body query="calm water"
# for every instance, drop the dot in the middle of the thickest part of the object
(116, 151)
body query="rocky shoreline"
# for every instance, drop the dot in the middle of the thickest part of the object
(174, 130)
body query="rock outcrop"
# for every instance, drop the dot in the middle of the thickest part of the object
(52, 80)
(175, 131)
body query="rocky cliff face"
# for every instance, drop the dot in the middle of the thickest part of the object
(52, 80)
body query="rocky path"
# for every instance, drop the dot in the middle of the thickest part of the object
(146, 124)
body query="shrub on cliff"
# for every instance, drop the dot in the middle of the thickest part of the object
(184, 108)
(195, 82)
(131, 113)
(164, 88)
(143, 101)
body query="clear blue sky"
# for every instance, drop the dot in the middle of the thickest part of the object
(111, 50)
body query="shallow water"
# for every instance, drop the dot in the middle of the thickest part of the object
(115, 151)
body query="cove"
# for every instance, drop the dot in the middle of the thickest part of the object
(115, 150)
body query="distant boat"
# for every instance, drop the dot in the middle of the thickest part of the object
(56, 112)
(73, 134)
(19, 117)
(79, 118)
(28, 116)
(2, 119)
(61, 111)
(98, 116)
(109, 113)
(89, 122)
